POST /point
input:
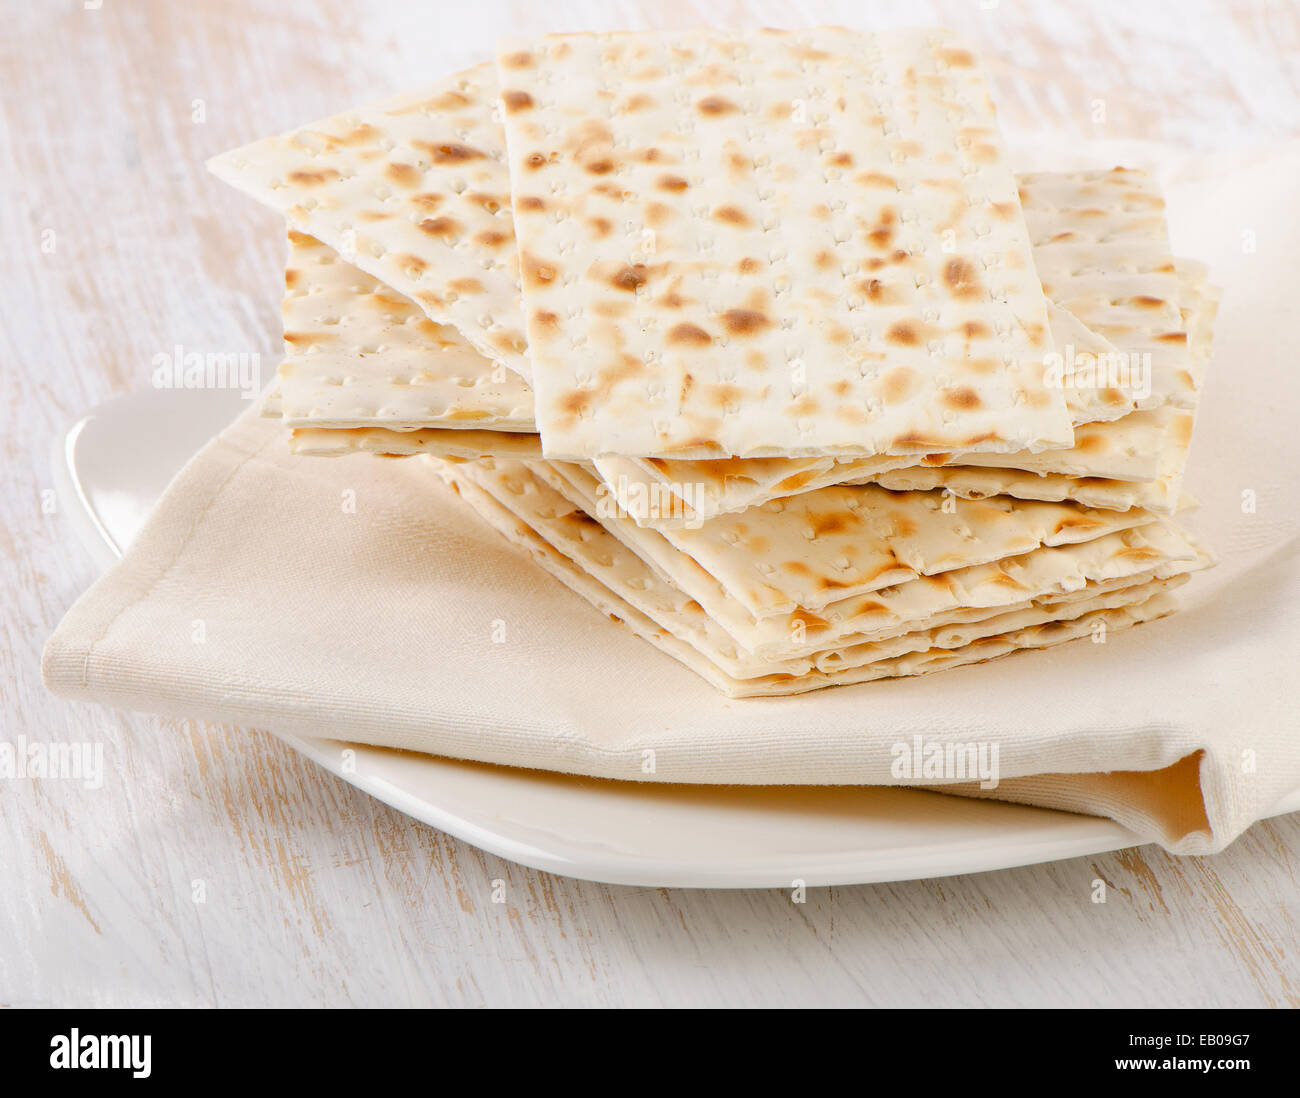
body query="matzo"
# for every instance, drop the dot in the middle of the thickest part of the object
(583, 583)
(1152, 551)
(1101, 249)
(749, 482)
(694, 290)
(587, 544)
(623, 612)
(1161, 495)
(358, 354)
(590, 544)
(375, 343)
(1131, 448)
(415, 192)
(383, 389)
(1123, 449)
(1049, 635)
(819, 547)
(328, 442)
(1104, 469)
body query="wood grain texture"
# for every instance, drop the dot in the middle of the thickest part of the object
(313, 892)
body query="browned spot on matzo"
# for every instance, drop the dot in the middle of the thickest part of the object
(745, 322)
(313, 178)
(963, 398)
(450, 152)
(732, 215)
(905, 333)
(714, 105)
(536, 272)
(689, 335)
(962, 279)
(441, 227)
(630, 278)
(404, 175)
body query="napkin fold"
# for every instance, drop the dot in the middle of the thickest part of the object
(356, 599)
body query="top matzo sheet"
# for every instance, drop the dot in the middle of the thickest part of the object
(773, 244)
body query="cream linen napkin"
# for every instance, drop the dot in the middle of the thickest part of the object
(356, 599)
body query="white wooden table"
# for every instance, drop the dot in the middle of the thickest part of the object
(118, 245)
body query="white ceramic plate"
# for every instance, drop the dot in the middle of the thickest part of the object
(112, 465)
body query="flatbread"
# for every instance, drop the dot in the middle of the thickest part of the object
(693, 290)
(588, 544)
(1101, 248)
(371, 371)
(326, 442)
(1113, 481)
(1128, 449)
(1154, 551)
(820, 547)
(358, 354)
(415, 192)
(758, 481)
(593, 549)
(1091, 623)
(1123, 449)
(1159, 496)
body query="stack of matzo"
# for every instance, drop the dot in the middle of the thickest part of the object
(755, 342)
